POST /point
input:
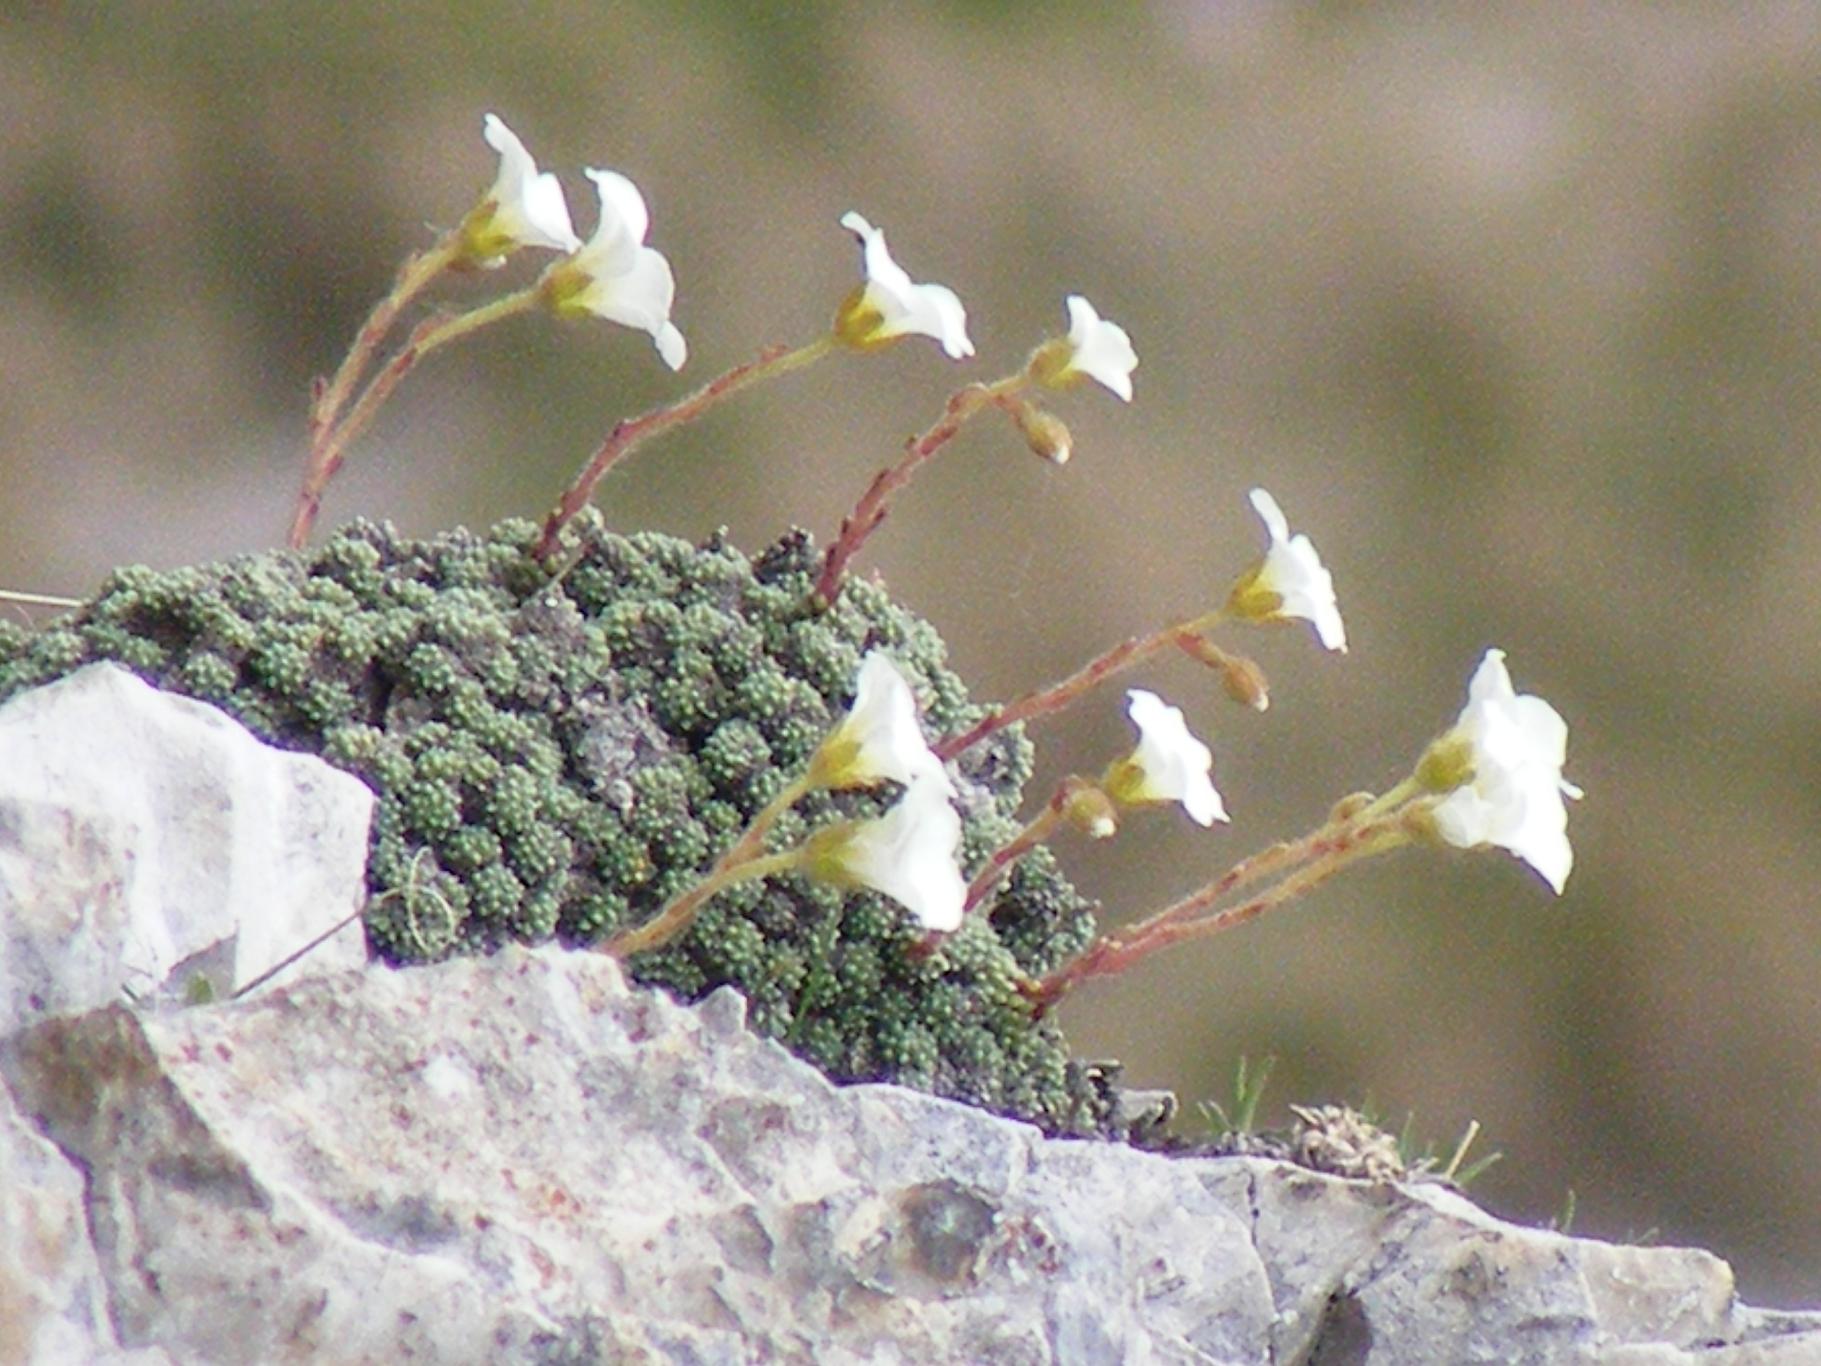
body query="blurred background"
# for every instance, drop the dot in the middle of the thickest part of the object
(1515, 309)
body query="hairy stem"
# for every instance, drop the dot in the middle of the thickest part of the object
(871, 510)
(331, 450)
(1021, 844)
(413, 277)
(1047, 701)
(681, 913)
(744, 853)
(630, 433)
(1335, 835)
(1116, 954)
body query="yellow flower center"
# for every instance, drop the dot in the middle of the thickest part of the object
(858, 320)
(1446, 764)
(1251, 600)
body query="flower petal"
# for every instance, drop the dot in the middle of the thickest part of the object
(1276, 524)
(671, 346)
(1514, 798)
(935, 311)
(621, 200)
(906, 308)
(909, 855)
(1293, 570)
(639, 296)
(529, 208)
(1102, 350)
(1171, 764)
(881, 269)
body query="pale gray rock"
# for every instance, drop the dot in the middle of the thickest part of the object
(149, 842)
(50, 1283)
(523, 1159)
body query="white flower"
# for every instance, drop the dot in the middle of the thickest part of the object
(525, 207)
(1099, 349)
(1169, 765)
(879, 740)
(1290, 581)
(889, 306)
(1516, 746)
(616, 276)
(908, 854)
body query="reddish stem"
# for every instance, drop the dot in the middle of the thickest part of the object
(1113, 955)
(328, 457)
(433, 332)
(871, 510)
(1022, 843)
(1089, 676)
(331, 394)
(328, 396)
(634, 431)
(1242, 874)
(1057, 695)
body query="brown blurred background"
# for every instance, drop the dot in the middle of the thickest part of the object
(1516, 312)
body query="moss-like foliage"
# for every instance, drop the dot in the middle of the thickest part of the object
(558, 755)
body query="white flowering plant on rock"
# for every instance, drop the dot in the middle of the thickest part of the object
(1493, 780)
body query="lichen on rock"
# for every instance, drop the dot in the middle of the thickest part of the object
(558, 754)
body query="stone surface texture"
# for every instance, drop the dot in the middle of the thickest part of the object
(148, 841)
(524, 1158)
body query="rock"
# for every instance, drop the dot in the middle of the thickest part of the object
(51, 1297)
(523, 1158)
(148, 842)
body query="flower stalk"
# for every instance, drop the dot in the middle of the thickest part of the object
(745, 853)
(908, 853)
(964, 404)
(1062, 806)
(414, 276)
(1057, 696)
(1323, 854)
(681, 913)
(633, 432)
(328, 443)
(330, 452)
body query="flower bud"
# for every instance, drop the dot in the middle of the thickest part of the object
(1244, 680)
(1246, 683)
(1090, 811)
(1048, 436)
